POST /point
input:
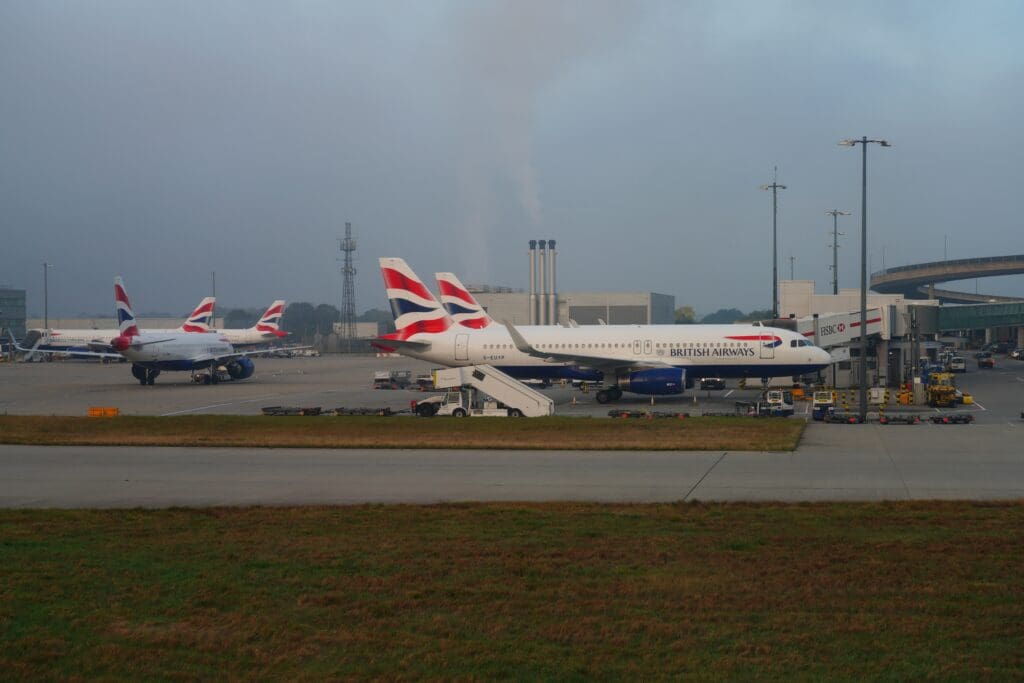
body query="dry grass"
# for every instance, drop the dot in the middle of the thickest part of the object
(568, 433)
(822, 592)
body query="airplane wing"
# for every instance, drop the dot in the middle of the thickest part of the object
(597, 361)
(394, 344)
(66, 352)
(247, 352)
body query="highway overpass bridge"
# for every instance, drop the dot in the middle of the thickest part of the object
(918, 281)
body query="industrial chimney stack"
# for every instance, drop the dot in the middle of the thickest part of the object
(533, 281)
(552, 292)
(543, 292)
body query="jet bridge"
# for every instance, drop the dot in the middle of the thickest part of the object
(499, 386)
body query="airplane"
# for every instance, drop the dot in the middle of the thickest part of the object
(642, 359)
(150, 353)
(267, 329)
(76, 341)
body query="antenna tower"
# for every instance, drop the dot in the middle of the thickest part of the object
(348, 288)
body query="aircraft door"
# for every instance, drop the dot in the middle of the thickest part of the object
(647, 346)
(767, 346)
(636, 347)
(462, 347)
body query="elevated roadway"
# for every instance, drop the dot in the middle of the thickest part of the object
(918, 281)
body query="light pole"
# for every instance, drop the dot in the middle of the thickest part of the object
(46, 294)
(835, 213)
(863, 374)
(775, 187)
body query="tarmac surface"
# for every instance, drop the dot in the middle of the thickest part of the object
(983, 460)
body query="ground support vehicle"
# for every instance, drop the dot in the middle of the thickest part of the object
(985, 360)
(779, 401)
(899, 419)
(843, 418)
(953, 418)
(941, 390)
(823, 403)
(710, 383)
(392, 379)
(464, 402)
(957, 364)
(480, 390)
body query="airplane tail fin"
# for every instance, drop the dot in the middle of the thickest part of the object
(270, 324)
(414, 307)
(125, 318)
(460, 304)
(201, 319)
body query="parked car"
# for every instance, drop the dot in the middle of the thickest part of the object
(985, 360)
(957, 364)
(1017, 353)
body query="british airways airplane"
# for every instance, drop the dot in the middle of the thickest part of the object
(266, 330)
(642, 359)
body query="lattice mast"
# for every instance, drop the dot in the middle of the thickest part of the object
(348, 287)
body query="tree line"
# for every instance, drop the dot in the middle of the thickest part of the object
(685, 315)
(304, 321)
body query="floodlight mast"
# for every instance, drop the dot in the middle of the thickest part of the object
(775, 187)
(835, 213)
(863, 365)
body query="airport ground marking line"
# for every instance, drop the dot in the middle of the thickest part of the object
(704, 476)
(215, 405)
(980, 406)
(732, 390)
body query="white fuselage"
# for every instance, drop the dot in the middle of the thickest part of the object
(176, 350)
(247, 336)
(81, 339)
(704, 350)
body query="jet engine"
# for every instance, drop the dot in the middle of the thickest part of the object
(241, 368)
(655, 382)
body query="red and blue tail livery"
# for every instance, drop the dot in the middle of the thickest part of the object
(460, 304)
(270, 323)
(201, 319)
(414, 307)
(126, 324)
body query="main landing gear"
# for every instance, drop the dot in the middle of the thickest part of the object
(608, 395)
(144, 375)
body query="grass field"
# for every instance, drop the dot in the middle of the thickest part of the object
(568, 592)
(568, 433)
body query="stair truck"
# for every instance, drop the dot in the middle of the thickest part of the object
(483, 391)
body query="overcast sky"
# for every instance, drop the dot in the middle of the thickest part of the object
(166, 140)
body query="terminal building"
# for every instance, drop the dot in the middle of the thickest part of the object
(12, 312)
(900, 331)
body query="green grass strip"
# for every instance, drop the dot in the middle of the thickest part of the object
(562, 433)
(904, 591)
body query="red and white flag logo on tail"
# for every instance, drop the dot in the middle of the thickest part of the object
(125, 318)
(414, 307)
(270, 323)
(460, 304)
(201, 318)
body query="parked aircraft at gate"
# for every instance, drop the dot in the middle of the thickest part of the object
(643, 359)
